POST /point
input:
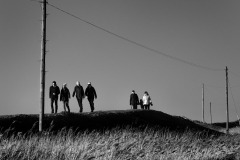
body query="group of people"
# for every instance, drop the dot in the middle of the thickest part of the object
(54, 93)
(145, 102)
(91, 94)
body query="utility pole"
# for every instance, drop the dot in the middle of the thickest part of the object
(227, 112)
(42, 65)
(203, 120)
(211, 111)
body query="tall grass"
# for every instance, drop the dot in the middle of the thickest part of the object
(127, 143)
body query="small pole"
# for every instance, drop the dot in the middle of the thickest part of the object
(211, 111)
(42, 65)
(203, 120)
(227, 112)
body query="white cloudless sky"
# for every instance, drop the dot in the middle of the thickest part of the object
(202, 32)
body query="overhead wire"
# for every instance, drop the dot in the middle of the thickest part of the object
(136, 43)
(150, 49)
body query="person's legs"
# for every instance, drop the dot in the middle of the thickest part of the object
(145, 106)
(148, 107)
(52, 109)
(64, 106)
(91, 104)
(80, 104)
(56, 105)
(134, 106)
(67, 105)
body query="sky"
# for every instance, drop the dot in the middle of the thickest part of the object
(174, 47)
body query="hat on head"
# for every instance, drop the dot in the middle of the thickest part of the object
(64, 84)
(89, 83)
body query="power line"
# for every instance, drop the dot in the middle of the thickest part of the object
(136, 43)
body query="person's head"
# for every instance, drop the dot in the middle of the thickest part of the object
(78, 83)
(133, 91)
(146, 93)
(54, 83)
(89, 84)
(64, 85)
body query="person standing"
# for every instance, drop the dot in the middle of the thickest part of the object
(54, 91)
(65, 96)
(134, 101)
(78, 90)
(141, 103)
(146, 100)
(90, 92)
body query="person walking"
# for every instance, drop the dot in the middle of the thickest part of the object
(134, 101)
(65, 96)
(54, 91)
(146, 100)
(78, 90)
(90, 92)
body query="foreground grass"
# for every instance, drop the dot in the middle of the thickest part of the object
(119, 144)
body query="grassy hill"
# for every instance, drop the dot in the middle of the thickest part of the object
(101, 120)
(116, 135)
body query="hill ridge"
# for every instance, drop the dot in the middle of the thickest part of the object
(100, 120)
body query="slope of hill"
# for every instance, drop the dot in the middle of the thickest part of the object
(100, 120)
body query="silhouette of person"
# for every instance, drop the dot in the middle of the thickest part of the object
(54, 91)
(134, 101)
(78, 90)
(90, 92)
(146, 100)
(65, 96)
(141, 103)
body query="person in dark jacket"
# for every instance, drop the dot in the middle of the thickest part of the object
(90, 92)
(78, 90)
(134, 101)
(141, 103)
(65, 96)
(54, 91)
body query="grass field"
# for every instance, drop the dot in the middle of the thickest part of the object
(145, 142)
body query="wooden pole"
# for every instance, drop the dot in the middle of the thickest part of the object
(203, 120)
(227, 112)
(42, 65)
(211, 111)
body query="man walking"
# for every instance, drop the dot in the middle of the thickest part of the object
(65, 96)
(134, 101)
(78, 90)
(91, 94)
(54, 91)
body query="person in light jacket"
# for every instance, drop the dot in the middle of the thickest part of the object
(147, 100)
(64, 97)
(79, 92)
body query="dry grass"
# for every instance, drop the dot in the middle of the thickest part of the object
(114, 135)
(128, 143)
